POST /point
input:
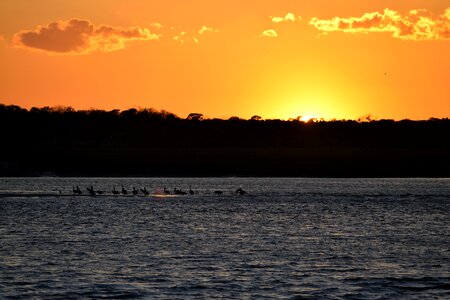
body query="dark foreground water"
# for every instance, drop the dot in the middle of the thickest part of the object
(286, 238)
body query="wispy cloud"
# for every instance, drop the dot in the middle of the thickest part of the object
(184, 37)
(156, 25)
(206, 29)
(416, 25)
(269, 33)
(80, 37)
(289, 17)
(180, 37)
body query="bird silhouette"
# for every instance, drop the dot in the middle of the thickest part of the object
(135, 191)
(124, 191)
(144, 191)
(76, 190)
(240, 191)
(179, 191)
(91, 190)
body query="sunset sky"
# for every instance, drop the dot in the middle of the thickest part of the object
(223, 58)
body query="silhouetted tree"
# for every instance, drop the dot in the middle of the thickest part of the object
(234, 118)
(194, 117)
(66, 127)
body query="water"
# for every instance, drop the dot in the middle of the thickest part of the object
(286, 238)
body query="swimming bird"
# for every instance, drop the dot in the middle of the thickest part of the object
(166, 190)
(76, 190)
(115, 192)
(91, 190)
(144, 191)
(179, 192)
(124, 191)
(218, 192)
(135, 191)
(240, 191)
(191, 191)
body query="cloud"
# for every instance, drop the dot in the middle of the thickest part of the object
(290, 17)
(179, 37)
(184, 37)
(157, 25)
(418, 24)
(80, 37)
(269, 33)
(206, 29)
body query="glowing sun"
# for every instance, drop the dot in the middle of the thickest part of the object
(307, 118)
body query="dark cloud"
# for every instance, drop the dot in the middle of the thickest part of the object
(80, 37)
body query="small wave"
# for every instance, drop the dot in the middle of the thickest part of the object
(405, 283)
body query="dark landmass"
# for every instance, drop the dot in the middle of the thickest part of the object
(64, 142)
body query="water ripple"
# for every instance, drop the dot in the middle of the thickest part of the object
(287, 238)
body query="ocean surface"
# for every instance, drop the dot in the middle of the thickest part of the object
(288, 238)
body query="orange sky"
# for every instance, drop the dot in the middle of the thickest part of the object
(275, 58)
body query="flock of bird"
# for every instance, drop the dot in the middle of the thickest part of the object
(77, 191)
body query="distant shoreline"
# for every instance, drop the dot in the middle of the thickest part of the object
(224, 176)
(147, 143)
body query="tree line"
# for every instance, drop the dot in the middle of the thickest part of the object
(64, 126)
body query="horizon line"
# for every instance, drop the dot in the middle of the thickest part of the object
(306, 119)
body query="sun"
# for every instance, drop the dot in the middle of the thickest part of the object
(307, 118)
